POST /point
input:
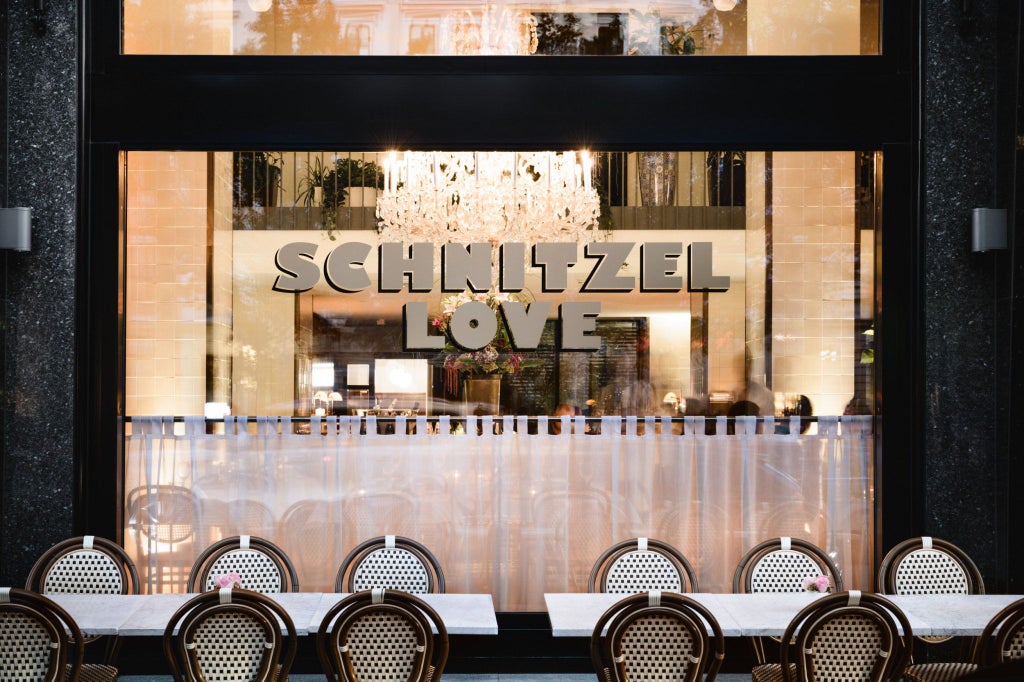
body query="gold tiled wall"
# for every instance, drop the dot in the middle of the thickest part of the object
(165, 312)
(813, 285)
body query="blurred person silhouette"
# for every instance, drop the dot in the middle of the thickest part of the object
(803, 409)
(741, 408)
(563, 409)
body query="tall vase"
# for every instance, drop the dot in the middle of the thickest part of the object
(656, 177)
(483, 394)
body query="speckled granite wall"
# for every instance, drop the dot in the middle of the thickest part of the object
(961, 308)
(41, 146)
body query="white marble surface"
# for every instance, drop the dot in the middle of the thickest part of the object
(463, 614)
(147, 615)
(576, 614)
(98, 614)
(952, 614)
(748, 615)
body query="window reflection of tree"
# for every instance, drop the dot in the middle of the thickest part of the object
(290, 27)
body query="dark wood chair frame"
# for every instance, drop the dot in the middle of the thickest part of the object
(741, 581)
(66, 657)
(895, 556)
(794, 651)
(39, 572)
(184, 662)
(345, 580)
(340, 618)
(695, 617)
(200, 572)
(599, 573)
(1002, 628)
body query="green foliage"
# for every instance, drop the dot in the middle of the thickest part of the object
(334, 181)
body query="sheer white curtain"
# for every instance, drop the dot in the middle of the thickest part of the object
(513, 515)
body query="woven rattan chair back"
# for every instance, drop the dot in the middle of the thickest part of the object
(261, 565)
(847, 636)
(782, 565)
(230, 635)
(163, 513)
(392, 562)
(36, 638)
(657, 636)
(382, 635)
(1002, 640)
(311, 535)
(928, 565)
(641, 565)
(84, 565)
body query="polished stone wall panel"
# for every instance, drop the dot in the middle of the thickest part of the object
(959, 289)
(40, 307)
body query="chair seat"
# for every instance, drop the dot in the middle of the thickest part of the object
(771, 672)
(938, 672)
(93, 672)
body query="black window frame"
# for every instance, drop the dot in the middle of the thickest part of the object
(147, 102)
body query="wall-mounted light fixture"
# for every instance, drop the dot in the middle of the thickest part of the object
(16, 229)
(988, 229)
(260, 5)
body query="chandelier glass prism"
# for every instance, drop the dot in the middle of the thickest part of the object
(496, 197)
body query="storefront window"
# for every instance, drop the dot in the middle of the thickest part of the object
(331, 27)
(714, 308)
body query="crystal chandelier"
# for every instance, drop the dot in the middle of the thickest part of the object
(496, 197)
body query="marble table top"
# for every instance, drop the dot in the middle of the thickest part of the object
(462, 614)
(748, 615)
(147, 615)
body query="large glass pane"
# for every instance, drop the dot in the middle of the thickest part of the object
(679, 286)
(570, 27)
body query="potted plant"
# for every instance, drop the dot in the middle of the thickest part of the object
(346, 182)
(256, 179)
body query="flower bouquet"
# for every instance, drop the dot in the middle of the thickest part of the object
(232, 580)
(495, 359)
(818, 583)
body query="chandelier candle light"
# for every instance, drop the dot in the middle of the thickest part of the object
(495, 197)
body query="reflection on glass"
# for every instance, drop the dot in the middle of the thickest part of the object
(570, 27)
(793, 334)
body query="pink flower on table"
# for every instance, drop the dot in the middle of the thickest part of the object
(819, 583)
(229, 580)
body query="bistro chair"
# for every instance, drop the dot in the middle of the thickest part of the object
(220, 519)
(657, 636)
(382, 634)
(846, 636)
(162, 519)
(639, 565)
(261, 565)
(1002, 640)
(782, 565)
(310, 533)
(927, 565)
(85, 565)
(39, 642)
(580, 520)
(393, 562)
(230, 634)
